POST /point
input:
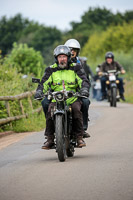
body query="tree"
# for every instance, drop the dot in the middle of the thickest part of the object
(128, 16)
(96, 20)
(21, 30)
(41, 38)
(115, 38)
(10, 31)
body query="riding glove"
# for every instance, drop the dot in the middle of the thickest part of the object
(38, 94)
(84, 92)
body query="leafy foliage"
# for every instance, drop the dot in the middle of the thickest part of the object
(41, 38)
(45, 39)
(96, 20)
(13, 83)
(127, 62)
(129, 90)
(20, 30)
(116, 38)
(25, 59)
(10, 31)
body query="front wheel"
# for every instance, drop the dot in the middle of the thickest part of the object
(60, 140)
(69, 149)
(113, 97)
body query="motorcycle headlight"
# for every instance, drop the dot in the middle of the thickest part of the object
(70, 94)
(59, 97)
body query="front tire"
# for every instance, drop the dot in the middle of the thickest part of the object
(113, 98)
(70, 150)
(60, 140)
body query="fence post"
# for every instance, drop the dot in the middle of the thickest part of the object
(19, 97)
(30, 102)
(8, 108)
(21, 107)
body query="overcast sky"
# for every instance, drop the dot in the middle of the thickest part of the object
(58, 13)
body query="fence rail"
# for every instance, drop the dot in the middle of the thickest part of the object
(19, 97)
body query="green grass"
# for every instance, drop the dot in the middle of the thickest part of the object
(129, 91)
(35, 122)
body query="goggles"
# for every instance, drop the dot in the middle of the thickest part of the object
(74, 49)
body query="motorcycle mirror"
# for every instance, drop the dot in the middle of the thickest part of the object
(35, 80)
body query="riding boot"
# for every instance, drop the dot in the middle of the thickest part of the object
(49, 143)
(85, 134)
(80, 142)
(122, 97)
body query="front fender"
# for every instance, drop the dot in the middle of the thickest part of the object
(113, 85)
(59, 112)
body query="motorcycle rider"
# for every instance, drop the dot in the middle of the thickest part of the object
(73, 77)
(110, 64)
(86, 67)
(74, 45)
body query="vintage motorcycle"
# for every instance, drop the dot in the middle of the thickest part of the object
(112, 87)
(61, 113)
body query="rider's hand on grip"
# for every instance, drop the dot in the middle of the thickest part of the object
(38, 94)
(123, 71)
(84, 92)
(100, 73)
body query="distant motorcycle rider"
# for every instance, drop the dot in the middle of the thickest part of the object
(86, 67)
(110, 64)
(73, 77)
(74, 45)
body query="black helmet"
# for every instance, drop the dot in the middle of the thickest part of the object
(109, 55)
(62, 49)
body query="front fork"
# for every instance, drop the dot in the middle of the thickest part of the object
(109, 89)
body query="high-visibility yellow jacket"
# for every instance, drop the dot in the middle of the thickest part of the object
(73, 77)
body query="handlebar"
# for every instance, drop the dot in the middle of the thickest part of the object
(53, 95)
(111, 72)
(60, 95)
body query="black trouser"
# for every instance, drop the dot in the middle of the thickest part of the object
(45, 104)
(77, 122)
(85, 109)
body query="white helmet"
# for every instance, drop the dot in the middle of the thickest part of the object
(72, 43)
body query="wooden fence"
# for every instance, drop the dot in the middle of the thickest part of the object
(19, 97)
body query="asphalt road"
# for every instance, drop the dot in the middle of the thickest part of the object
(103, 170)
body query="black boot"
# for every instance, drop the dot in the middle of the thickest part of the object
(49, 143)
(86, 135)
(80, 142)
(122, 97)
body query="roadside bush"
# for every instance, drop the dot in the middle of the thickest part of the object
(13, 83)
(26, 60)
(127, 62)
